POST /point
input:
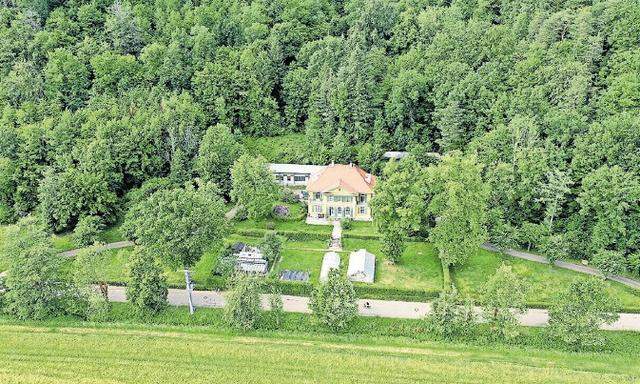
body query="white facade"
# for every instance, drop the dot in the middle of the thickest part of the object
(294, 174)
(362, 266)
(331, 260)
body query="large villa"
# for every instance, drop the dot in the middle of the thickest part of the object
(336, 191)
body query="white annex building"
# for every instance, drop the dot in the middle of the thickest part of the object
(331, 260)
(362, 266)
(294, 174)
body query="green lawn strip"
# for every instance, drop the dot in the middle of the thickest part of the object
(178, 348)
(366, 228)
(543, 281)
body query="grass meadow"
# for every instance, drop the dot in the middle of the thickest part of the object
(134, 353)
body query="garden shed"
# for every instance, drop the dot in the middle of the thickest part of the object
(362, 266)
(331, 260)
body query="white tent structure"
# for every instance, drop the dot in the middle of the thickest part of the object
(331, 260)
(362, 266)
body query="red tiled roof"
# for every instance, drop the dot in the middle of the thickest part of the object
(349, 177)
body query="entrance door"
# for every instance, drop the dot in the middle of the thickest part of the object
(332, 212)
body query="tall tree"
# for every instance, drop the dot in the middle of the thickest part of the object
(577, 313)
(253, 186)
(217, 154)
(178, 226)
(398, 204)
(459, 206)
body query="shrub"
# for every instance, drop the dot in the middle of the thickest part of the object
(275, 316)
(633, 263)
(6, 214)
(554, 248)
(147, 289)
(393, 245)
(347, 223)
(281, 211)
(451, 316)
(226, 262)
(87, 231)
(576, 314)
(503, 293)
(270, 225)
(270, 247)
(609, 262)
(334, 302)
(243, 307)
(37, 285)
(289, 196)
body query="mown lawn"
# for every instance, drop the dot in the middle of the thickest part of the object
(542, 280)
(418, 269)
(64, 241)
(150, 354)
(367, 228)
(294, 222)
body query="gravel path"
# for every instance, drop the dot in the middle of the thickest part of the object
(563, 264)
(379, 308)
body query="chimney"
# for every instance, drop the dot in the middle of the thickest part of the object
(367, 178)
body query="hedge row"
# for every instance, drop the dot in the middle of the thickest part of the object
(290, 235)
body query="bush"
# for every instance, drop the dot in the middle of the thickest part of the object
(270, 225)
(37, 284)
(147, 289)
(281, 211)
(347, 224)
(633, 263)
(270, 247)
(334, 302)
(289, 196)
(451, 316)
(243, 306)
(87, 231)
(577, 313)
(226, 263)
(609, 262)
(554, 248)
(275, 316)
(6, 214)
(504, 293)
(392, 245)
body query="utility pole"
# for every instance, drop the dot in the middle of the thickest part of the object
(187, 277)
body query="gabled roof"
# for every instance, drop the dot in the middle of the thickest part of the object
(362, 266)
(349, 177)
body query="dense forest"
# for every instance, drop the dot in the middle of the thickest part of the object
(100, 97)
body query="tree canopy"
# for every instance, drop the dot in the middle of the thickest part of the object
(99, 96)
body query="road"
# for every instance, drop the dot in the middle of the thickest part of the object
(379, 308)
